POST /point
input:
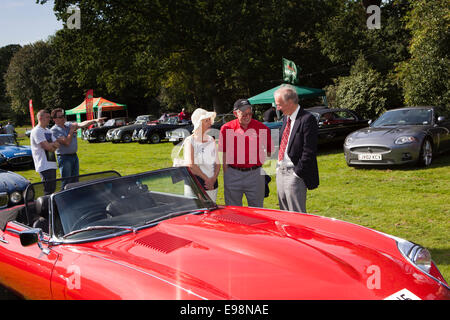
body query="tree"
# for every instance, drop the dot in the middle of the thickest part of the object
(6, 53)
(425, 76)
(26, 77)
(364, 90)
(199, 53)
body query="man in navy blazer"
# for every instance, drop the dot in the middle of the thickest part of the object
(297, 168)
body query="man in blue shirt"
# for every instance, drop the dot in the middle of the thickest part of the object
(65, 133)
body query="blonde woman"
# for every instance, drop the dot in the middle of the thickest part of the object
(200, 152)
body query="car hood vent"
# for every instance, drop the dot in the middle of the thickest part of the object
(240, 219)
(162, 242)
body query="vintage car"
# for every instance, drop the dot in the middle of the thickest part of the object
(179, 134)
(157, 235)
(155, 132)
(98, 134)
(12, 154)
(334, 124)
(12, 187)
(412, 135)
(125, 133)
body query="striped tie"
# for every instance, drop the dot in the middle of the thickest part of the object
(284, 140)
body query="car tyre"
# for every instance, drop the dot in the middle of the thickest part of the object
(155, 138)
(126, 138)
(426, 153)
(101, 138)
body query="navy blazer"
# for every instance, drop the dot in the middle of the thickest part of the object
(302, 147)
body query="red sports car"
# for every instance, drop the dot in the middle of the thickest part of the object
(157, 235)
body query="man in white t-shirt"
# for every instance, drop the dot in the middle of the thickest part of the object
(43, 147)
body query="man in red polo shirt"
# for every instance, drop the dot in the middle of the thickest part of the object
(245, 143)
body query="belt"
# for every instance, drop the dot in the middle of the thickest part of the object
(246, 169)
(67, 154)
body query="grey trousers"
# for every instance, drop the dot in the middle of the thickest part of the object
(291, 190)
(237, 183)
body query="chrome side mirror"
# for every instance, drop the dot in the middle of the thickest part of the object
(441, 119)
(32, 236)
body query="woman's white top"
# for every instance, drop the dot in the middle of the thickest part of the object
(205, 154)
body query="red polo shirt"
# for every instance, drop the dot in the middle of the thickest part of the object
(245, 148)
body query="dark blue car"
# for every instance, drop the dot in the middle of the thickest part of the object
(12, 154)
(12, 187)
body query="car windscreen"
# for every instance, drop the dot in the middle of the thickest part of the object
(109, 123)
(130, 202)
(404, 117)
(7, 141)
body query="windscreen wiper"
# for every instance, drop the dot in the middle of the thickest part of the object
(100, 228)
(174, 214)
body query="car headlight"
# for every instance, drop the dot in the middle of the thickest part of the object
(15, 197)
(418, 255)
(405, 139)
(348, 141)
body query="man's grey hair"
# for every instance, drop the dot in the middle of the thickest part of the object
(287, 92)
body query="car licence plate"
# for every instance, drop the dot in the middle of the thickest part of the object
(369, 156)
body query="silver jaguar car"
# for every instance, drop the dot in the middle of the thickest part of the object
(400, 136)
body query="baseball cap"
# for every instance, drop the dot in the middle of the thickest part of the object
(241, 104)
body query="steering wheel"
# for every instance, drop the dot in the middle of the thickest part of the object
(89, 217)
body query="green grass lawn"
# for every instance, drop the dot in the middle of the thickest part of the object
(407, 202)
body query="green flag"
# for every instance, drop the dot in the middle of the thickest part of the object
(290, 73)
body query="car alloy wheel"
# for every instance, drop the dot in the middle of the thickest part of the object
(426, 153)
(154, 138)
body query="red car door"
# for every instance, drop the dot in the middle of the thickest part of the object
(26, 270)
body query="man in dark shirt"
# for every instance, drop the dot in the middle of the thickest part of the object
(270, 114)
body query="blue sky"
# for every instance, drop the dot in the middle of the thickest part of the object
(24, 22)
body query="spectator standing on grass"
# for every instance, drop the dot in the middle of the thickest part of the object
(200, 152)
(9, 128)
(270, 114)
(297, 168)
(65, 133)
(245, 142)
(43, 147)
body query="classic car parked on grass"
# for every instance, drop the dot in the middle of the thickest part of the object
(157, 235)
(179, 134)
(155, 132)
(12, 187)
(400, 136)
(98, 134)
(334, 124)
(12, 154)
(125, 133)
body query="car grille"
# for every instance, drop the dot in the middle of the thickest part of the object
(370, 149)
(17, 161)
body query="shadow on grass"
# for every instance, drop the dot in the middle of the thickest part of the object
(329, 148)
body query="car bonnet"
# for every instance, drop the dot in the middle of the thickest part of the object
(232, 254)
(15, 151)
(10, 181)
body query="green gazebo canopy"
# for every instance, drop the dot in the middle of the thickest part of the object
(303, 92)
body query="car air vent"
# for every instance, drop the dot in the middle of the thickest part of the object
(162, 242)
(240, 219)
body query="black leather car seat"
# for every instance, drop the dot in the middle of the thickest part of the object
(42, 211)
